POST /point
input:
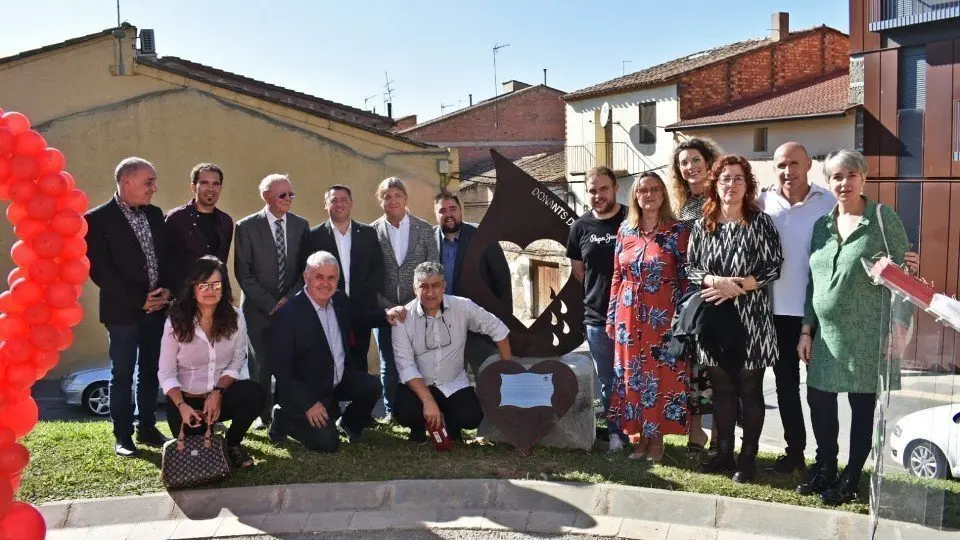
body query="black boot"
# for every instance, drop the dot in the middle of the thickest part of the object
(746, 466)
(721, 462)
(819, 477)
(844, 490)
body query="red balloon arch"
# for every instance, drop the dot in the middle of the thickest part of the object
(41, 307)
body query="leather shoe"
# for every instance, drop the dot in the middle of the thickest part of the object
(819, 478)
(277, 435)
(151, 436)
(746, 470)
(353, 437)
(789, 464)
(721, 462)
(844, 490)
(125, 447)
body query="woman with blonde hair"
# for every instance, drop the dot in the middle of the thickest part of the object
(650, 390)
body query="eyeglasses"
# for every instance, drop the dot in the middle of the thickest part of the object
(207, 285)
(430, 340)
(286, 194)
(727, 180)
(655, 190)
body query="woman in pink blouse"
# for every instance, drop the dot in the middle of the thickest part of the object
(204, 347)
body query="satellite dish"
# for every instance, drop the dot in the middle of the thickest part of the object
(604, 114)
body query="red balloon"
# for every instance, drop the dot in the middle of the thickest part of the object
(52, 160)
(74, 199)
(42, 360)
(16, 212)
(16, 122)
(21, 375)
(66, 339)
(23, 522)
(66, 222)
(14, 275)
(44, 271)
(37, 314)
(28, 228)
(74, 247)
(12, 326)
(53, 184)
(60, 295)
(8, 304)
(6, 436)
(15, 351)
(4, 191)
(13, 459)
(41, 206)
(45, 337)
(29, 143)
(27, 291)
(6, 141)
(71, 181)
(22, 190)
(24, 167)
(6, 496)
(74, 271)
(67, 317)
(47, 244)
(4, 168)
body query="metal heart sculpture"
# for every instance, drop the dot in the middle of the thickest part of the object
(523, 427)
(522, 211)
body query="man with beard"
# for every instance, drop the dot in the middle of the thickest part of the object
(593, 237)
(199, 228)
(453, 241)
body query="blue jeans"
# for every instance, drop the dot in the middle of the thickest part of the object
(389, 377)
(601, 349)
(134, 347)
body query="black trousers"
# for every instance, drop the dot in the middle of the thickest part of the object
(361, 389)
(361, 346)
(460, 411)
(826, 427)
(747, 388)
(241, 403)
(787, 373)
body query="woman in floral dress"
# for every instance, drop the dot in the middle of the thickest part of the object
(650, 387)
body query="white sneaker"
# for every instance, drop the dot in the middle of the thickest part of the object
(616, 444)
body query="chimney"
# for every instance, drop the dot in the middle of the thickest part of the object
(544, 76)
(389, 110)
(471, 100)
(513, 86)
(780, 26)
(148, 43)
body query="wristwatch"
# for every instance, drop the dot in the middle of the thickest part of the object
(218, 389)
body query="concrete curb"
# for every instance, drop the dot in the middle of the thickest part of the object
(429, 503)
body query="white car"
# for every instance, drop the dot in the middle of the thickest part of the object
(927, 442)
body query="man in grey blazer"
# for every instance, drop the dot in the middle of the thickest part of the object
(268, 264)
(406, 241)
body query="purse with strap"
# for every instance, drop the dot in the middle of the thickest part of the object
(194, 460)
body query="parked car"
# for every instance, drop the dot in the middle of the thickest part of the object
(89, 389)
(927, 442)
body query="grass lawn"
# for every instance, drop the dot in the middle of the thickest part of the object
(72, 460)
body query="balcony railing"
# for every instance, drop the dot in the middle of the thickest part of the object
(618, 156)
(888, 14)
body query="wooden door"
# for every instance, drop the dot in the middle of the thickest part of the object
(546, 277)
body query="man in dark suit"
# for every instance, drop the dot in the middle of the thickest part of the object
(268, 265)
(309, 340)
(357, 250)
(199, 228)
(128, 261)
(453, 239)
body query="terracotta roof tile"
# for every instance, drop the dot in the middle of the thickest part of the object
(477, 105)
(546, 167)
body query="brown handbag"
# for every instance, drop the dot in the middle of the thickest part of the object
(194, 460)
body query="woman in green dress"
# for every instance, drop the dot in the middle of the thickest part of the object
(842, 331)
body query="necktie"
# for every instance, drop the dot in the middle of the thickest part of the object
(281, 253)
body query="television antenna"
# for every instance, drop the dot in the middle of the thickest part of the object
(388, 93)
(445, 106)
(623, 66)
(496, 83)
(366, 99)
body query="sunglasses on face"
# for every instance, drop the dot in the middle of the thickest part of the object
(286, 194)
(206, 286)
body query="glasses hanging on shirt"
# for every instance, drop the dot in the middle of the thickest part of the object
(430, 340)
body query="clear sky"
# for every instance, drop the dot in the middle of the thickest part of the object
(435, 52)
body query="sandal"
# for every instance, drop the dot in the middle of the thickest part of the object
(695, 447)
(239, 457)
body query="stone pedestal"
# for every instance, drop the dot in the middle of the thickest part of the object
(577, 428)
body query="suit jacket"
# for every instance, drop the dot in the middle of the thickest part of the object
(366, 260)
(118, 265)
(397, 287)
(494, 270)
(186, 243)
(299, 354)
(255, 264)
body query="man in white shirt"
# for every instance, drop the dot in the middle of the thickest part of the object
(428, 348)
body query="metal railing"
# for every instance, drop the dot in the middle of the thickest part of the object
(618, 156)
(886, 14)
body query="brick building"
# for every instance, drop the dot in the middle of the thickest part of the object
(749, 96)
(522, 121)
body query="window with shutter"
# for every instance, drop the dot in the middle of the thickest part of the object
(760, 139)
(648, 123)
(912, 99)
(913, 78)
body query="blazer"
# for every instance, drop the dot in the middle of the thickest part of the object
(300, 356)
(255, 264)
(397, 287)
(118, 265)
(494, 270)
(366, 260)
(186, 243)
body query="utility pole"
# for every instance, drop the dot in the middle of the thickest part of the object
(496, 83)
(623, 66)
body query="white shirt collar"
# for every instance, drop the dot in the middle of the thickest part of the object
(403, 222)
(272, 218)
(337, 231)
(316, 306)
(814, 191)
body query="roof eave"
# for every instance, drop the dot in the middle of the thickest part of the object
(765, 120)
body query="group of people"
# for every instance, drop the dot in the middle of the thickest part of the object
(309, 300)
(692, 290)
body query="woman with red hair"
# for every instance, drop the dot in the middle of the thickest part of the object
(734, 255)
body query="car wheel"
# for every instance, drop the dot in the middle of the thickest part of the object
(96, 399)
(923, 459)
